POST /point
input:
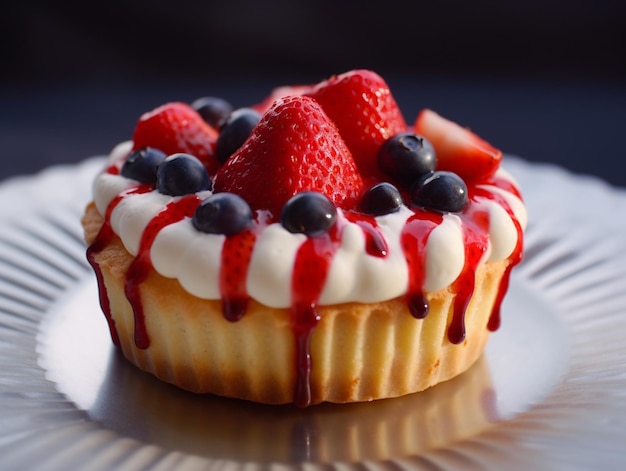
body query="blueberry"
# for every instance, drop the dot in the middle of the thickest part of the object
(382, 198)
(440, 191)
(215, 111)
(222, 213)
(141, 165)
(309, 213)
(182, 174)
(406, 157)
(235, 131)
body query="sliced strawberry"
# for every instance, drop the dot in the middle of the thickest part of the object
(362, 107)
(458, 149)
(281, 92)
(295, 147)
(177, 127)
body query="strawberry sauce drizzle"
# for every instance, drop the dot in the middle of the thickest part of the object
(503, 184)
(413, 239)
(475, 228)
(375, 243)
(236, 256)
(113, 169)
(142, 264)
(514, 259)
(311, 268)
(102, 240)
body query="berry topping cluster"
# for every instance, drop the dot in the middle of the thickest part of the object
(410, 159)
(305, 151)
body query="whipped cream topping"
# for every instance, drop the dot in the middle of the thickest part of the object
(181, 252)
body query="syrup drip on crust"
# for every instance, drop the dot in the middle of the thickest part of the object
(310, 271)
(414, 237)
(236, 255)
(102, 240)
(142, 264)
(475, 236)
(515, 257)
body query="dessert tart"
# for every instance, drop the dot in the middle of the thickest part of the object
(312, 247)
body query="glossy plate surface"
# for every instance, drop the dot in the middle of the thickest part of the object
(548, 394)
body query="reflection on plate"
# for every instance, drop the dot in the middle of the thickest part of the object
(548, 393)
(134, 404)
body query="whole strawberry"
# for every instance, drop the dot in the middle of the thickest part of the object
(176, 127)
(362, 107)
(294, 148)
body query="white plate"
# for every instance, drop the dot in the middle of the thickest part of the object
(548, 394)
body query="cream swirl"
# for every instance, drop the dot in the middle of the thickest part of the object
(181, 252)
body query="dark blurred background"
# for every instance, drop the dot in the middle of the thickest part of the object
(545, 80)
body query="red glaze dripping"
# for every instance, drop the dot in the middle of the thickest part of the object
(236, 255)
(375, 243)
(475, 226)
(102, 240)
(310, 270)
(500, 182)
(515, 257)
(413, 239)
(113, 169)
(142, 264)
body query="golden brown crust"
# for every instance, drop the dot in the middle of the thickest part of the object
(359, 351)
(92, 222)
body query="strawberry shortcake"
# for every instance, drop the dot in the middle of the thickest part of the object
(310, 247)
